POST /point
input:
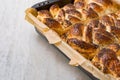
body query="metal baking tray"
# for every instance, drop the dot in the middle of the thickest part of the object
(46, 5)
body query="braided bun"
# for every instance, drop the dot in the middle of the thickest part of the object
(91, 27)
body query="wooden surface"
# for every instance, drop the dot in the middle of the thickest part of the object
(25, 55)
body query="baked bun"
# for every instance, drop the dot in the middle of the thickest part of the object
(107, 60)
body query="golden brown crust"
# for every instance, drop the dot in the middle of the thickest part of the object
(95, 7)
(73, 12)
(69, 7)
(117, 23)
(73, 19)
(115, 47)
(113, 16)
(66, 23)
(116, 32)
(102, 37)
(101, 26)
(87, 34)
(108, 60)
(103, 32)
(76, 31)
(82, 46)
(53, 24)
(79, 5)
(118, 13)
(60, 16)
(43, 14)
(114, 67)
(96, 62)
(106, 55)
(90, 13)
(93, 23)
(54, 10)
(107, 21)
(96, 24)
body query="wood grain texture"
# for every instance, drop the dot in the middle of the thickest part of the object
(24, 55)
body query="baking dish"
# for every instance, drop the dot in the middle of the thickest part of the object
(75, 58)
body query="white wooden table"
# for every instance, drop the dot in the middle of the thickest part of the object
(24, 55)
